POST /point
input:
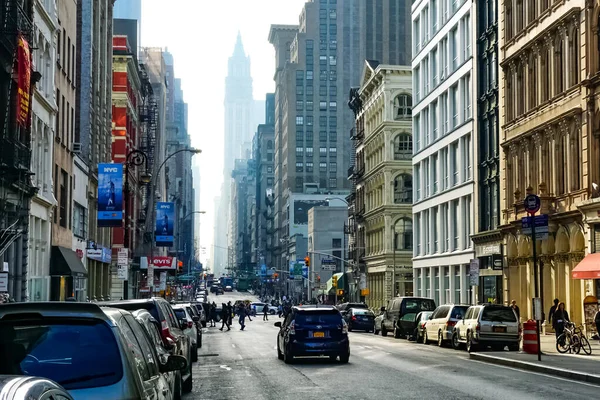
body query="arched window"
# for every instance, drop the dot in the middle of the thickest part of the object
(574, 58)
(402, 106)
(559, 65)
(403, 234)
(403, 189)
(403, 147)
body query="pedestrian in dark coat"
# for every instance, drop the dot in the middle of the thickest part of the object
(515, 307)
(230, 313)
(213, 314)
(242, 315)
(561, 316)
(225, 317)
(266, 312)
(551, 314)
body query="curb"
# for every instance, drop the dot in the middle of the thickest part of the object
(565, 373)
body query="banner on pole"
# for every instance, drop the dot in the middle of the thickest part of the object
(110, 195)
(165, 224)
(23, 81)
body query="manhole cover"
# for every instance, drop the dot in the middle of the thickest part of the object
(208, 355)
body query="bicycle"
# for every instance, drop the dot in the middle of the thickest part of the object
(573, 340)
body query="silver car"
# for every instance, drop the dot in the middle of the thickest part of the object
(188, 326)
(31, 388)
(93, 352)
(486, 325)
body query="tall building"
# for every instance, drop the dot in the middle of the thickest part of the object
(382, 210)
(68, 274)
(93, 121)
(443, 132)
(487, 238)
(130, 9)
(317, 62)
(42, 138)
(549, 148)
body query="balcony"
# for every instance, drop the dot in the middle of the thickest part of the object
(15, 155)
(15, 19)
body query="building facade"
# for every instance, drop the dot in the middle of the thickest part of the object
(42, 137)
(383, 173)
(443, 137)
(68, 274)
(546, 145)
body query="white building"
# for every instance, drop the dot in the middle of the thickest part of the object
(42, 139)
(443, 128)
(80, 221)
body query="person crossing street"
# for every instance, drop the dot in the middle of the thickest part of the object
(225, 317)
(242, 314)
(266, 312)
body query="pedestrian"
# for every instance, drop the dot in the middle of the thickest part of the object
(515, 307)
(280, 310)
(266, 312)
(229, 313)
(551, 313)
(225, 316)
(249, 311)
(560, 316)
(213, 314)
(597, 322)
(242, 314)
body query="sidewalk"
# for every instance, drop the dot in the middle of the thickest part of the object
(579, 367)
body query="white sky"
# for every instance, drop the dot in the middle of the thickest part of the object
(201, 36)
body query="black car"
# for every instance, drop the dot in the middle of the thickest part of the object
(313, 331)
(360, 319)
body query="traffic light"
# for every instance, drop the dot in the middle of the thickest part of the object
(307, 261)
(275, 275)
(180, 266)
(318, 278)
(340, 292)
(334, 280)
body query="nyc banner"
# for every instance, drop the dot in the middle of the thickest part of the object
(23, 81)
(110, 195)
(165, 224)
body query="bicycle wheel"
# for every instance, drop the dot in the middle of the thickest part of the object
(585, 345)
(576, 344)
(563, 343)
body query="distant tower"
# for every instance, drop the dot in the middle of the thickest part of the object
(130, 9)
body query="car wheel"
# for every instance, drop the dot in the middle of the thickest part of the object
(349, 327)
(440, 341)
(396, 333)
(177, 391)
(425, 338)
(455, 342)
(279, 353)
(200, 341)
(287, 357)
(344, 358)
(418, 337)
(383, 330)
(194, 354)
(188, 383)
(375, 332)
(513, 347)
(471, 347)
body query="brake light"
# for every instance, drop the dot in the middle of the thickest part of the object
(190, 324)
(450, 324)
(478, 327)
(344, 327)
(353, 318)
(165, 333)
(293, 328)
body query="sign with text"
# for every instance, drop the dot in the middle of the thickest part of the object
(296, 269)
(165, 224)
(123, 256)
(3, 281)
(122, 272)
(23, 81)
(474, 272)
(110, 195)
(160, 263)
(102, 254)
(541, 226)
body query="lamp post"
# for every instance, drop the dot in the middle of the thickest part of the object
(182, 220)
(135, 158)
(155, 183)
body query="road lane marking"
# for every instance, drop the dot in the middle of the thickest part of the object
(233, 345)
(225, 367)
(240, 356)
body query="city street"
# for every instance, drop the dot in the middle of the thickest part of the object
(244, 365)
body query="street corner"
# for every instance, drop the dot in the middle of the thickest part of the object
(573, 368)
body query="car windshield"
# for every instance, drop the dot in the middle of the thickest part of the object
(316, 318)
(180, 313)
(499, 314)
(76, 354)
(416, 305)
(363, 312)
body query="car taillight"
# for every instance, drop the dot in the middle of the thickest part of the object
(344, 327)
(353, 318)
(165, 332)
(190, 324)
(450, 324)
(293, 328)
(478, 327)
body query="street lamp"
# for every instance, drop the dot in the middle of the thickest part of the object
(182, 220)
(135, 158)
(155, 183)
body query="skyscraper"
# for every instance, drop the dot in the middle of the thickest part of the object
(130, 9)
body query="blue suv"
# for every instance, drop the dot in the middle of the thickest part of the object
(313, 331)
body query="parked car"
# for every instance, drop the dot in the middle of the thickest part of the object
(174, 339)
(313, 331)
(359, 319)
(201, 312)
(152, 328)
(188, 326)
(228, 288)
(93, 352)
(420, 321)
(14, 387)
(486, 325)
(346, 306)
(196, 312)
(257, 308)
(400, 306)
(441, 324)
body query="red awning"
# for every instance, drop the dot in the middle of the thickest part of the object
(588, 268)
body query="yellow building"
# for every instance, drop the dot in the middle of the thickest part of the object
(383, 174)
(544, 138)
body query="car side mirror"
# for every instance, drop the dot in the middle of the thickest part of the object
(170, 344)
(195, 319)
(277, 324)
(382, 309)
(183, 324)
(174, 363)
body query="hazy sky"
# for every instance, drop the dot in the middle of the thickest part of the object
(201, 36)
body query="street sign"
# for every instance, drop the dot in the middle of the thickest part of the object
(122, 271)
(541, 226)
(328, 267)
(328, 261)
(3, 281)
(497, 263)
(123, 256)
(474, 272)
(532, 203)
(323, 286)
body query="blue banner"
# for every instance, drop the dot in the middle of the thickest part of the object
(165, 224)
(110, 195)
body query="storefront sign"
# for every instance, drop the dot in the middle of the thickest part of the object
(101, 254)
(110, 195)
(474, 272)
(3, 281)
(122, 272)
(23, 81)
(160, 262)
(123, 256)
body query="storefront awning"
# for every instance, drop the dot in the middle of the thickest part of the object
(588, 268)
(64, 262)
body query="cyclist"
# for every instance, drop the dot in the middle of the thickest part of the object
(560, 316)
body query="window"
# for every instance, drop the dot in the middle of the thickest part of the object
(309, 93)
(309, 120)
(323, 136)
(455, 106)
(299, 120)
(333, 122)
(309, 75)
(309, 166)
(323, 151)
(299, 90)
(434, 120)
(417, 132)
(323, 167)
(309, 152)
(434, 173)
(444, 168)
(403, 188)
(332, 60)
(299, 105)
(333, 105)
(434, 66)
(309, 103)
(299, 151)
(467, 157)
(455, 212)
(417, 171)
(79, 221)
(403, 147)
(435, 233)
(467, 92)
(270, 181)
(322, 121)
(309, 135)
(454, 54)
(332, 167)
(64, 199)
(322, 105)
(299, 182)
(269, 170)
(454, 162)
(467, 223)
(299, 167)
(333, 151)
(403, 234)
(332, 183)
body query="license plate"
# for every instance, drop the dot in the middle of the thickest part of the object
(500, 329)
(319, 334)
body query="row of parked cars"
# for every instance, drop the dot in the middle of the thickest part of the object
(471, 327)
(129, 349)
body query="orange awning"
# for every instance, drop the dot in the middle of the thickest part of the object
(588, 268)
